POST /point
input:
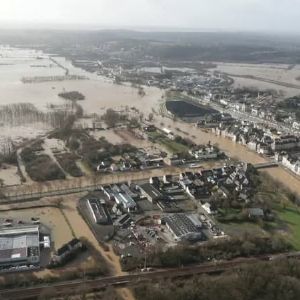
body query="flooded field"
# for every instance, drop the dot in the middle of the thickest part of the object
(277, 72)
(9, 175)
(98, 91)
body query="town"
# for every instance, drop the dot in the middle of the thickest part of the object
(117, 170)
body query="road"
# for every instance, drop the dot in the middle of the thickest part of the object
(243, 116)
(76, 185)
(78, 286)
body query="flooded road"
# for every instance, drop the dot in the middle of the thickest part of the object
(233, 150)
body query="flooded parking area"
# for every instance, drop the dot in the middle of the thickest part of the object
(51, 217)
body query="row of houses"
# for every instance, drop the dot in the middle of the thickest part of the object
(290, 161)
(256, 138)
(140, 160)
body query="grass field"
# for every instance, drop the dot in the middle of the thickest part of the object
(287, 220)
(291, 217)
(286, 215)
(170, 145)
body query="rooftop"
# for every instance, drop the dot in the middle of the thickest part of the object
(15, 241)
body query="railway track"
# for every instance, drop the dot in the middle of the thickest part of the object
(76, 286)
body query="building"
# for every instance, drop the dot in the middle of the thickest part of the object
(255, 213)
(207, 207)
(19, 246)
(287, 142)
(125, 201)
(182, 227)
(204, 152)
(168, 133)
(98, 211)
(150, 192)
(67, 251)
(292, 162)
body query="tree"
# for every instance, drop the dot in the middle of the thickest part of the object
(111, 118)
(150, 117)
(141, 92)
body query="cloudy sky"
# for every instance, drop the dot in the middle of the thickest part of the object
(266, 15)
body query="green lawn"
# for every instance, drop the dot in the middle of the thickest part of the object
(170, 145)
(291, 217)
(287, 214)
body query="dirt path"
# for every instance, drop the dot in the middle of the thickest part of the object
(84, 168)
(49, 152)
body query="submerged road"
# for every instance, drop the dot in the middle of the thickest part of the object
(79, 286)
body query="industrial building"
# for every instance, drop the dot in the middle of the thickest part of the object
(98, 211)
(182, 227)
(126, 201)
(150, 192)
(19, 246)
(67, 251)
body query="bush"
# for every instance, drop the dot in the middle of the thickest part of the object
(68, 163)
(40, 167)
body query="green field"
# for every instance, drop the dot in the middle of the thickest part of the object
(170, 145)
(286, 215)
(291, 217)
(287, 221)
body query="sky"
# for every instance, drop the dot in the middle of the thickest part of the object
(238, 15)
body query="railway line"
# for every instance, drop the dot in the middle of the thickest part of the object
(76, 286)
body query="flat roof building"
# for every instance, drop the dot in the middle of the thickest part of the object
(98, 211)
(150, 192)
(182, 227)
(126, 201)
(19, 246)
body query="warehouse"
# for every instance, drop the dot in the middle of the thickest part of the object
(150, 192)
(98, 211)
(182, 227)
(126, 201)
(19, 246)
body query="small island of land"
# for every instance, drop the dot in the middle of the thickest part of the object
(73, 95)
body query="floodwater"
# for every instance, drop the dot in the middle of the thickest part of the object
(50, 217)
(99, 92)
(277, 72)
(9, 175)
(234, 150)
